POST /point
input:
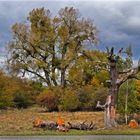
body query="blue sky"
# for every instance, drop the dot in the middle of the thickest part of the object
(118, 22)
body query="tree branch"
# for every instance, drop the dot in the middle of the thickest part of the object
(129, 75)
(35, 73)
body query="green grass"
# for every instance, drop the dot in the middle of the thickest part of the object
(71, 132)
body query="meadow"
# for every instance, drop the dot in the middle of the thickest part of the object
(20, 122)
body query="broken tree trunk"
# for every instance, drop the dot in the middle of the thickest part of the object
(110, 105)
(116, 79)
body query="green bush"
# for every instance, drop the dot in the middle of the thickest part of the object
(133, 98)
(86, 97)
(22, 101)
(121, 118)
(69, 101)
(5, 104)
(5, 100)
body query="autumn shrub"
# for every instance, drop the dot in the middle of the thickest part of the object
(6, 98)
(48, 99)
(17, 92)
(69, 100)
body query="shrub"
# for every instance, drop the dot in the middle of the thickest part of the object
(4, 104)
(86, 97)
(69, 101)
(49, 99)
(22, 101)
(5, 100)
(133, 98)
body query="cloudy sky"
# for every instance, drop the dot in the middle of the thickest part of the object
(118, 22)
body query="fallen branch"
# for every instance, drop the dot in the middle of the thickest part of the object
(82, 126)
(47, 125)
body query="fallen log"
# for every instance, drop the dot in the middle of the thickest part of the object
(48, 126)
(82, 126)
(64, 128)
(53, 126)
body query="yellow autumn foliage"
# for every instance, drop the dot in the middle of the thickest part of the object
(95, 82)
(138, 85)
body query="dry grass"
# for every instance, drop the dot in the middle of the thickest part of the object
(22, 120)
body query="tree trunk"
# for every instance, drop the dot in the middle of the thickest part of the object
(111, 102)
(63, 69)
(126, 101)
(63, 82)
(110, 112)
(53, 66)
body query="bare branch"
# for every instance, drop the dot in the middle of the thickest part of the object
(100, 106)
(129, 74)
(35, 73)
(125, 71)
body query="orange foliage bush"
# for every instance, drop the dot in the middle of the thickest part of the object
(37, 122)
(133, 124)
(60, 121)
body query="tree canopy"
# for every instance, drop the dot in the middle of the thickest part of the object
(48, 46)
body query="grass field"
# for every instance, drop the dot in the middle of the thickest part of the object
(20, 122)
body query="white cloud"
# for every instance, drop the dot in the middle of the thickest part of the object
(134, 21)
(132, 25)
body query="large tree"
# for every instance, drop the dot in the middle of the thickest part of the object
(47, 46)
